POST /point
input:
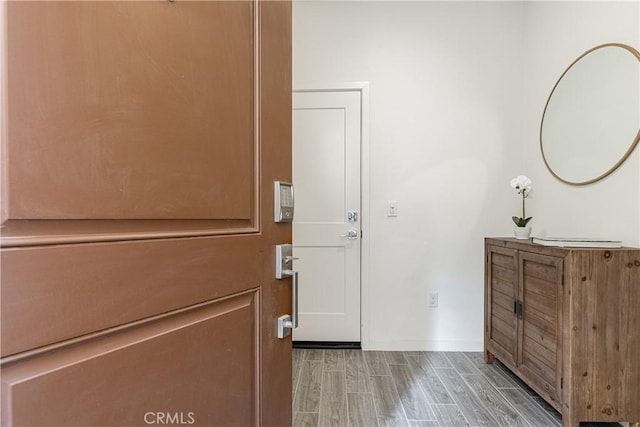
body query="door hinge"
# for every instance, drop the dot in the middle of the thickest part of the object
(561, 383)
(562, 279)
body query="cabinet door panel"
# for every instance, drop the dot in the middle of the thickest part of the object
(501, 293)
(537, 354)
(540, 279)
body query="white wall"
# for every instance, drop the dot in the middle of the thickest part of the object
(453, 119)
(557, 33)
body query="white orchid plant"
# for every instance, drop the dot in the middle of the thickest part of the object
(522, 185)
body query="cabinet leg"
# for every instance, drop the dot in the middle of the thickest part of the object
(570, 420)
(488, 358)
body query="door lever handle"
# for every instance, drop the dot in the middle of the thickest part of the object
(351, 235)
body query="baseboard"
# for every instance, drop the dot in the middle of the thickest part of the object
(324, 345)
(426, 345)
(408, 345)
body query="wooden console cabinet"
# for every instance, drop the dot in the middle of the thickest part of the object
(567, 322)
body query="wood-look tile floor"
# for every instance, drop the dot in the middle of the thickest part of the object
(412, 388)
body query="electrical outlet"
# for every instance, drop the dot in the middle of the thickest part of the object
(433, 299)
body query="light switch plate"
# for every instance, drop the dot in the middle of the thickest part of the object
(392, 208)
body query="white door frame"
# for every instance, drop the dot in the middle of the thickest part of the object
(363, 88)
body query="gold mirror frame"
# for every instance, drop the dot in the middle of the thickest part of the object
(632, 144)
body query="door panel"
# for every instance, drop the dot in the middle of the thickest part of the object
(320, 164)
(142, 144)
(90, 287)
(129, 370)
(326, 172)
(140, 123)
(332, 296)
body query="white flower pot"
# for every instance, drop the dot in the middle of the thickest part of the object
(522, 232)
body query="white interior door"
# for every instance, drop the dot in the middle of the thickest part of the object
(326, 175)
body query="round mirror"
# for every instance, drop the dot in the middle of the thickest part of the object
(591, 122)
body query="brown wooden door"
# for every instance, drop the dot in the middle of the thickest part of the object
(141, 142)
(540, 341)
(501, 334)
